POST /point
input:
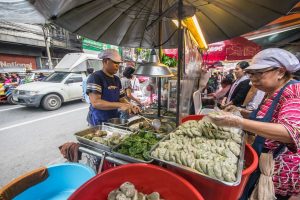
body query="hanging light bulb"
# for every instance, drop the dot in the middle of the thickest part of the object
(154, 68)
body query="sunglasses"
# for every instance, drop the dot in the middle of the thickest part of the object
(261, 72)
(116, 63)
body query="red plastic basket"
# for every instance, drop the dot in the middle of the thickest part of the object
(146, 177)
(212, 190)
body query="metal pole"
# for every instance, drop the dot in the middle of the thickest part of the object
(160, 58)
(47, 39)
(48, 52)
(180, 54)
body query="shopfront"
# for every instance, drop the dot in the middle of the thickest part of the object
(18, 61)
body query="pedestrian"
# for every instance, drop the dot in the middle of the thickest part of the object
(105, 91)
(7, 80)
(85, 96)
(2, 78)
(275, 124)
(239, 88)
(15, 80)
(41, 77)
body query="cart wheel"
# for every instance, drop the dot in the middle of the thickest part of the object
(51, 102)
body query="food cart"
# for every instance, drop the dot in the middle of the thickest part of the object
(115, 152)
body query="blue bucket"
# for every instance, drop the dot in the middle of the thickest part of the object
(63, 180)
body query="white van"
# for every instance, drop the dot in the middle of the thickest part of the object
(63, 85)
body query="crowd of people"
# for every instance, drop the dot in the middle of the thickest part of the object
(234, 88)
(7, 83)
(10, 79)
(15, 79)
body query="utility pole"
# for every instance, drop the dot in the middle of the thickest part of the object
(47, 38)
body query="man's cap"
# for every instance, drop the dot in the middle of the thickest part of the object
(111, 54)
(274, 57)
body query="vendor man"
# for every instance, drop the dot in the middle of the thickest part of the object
(105, 91)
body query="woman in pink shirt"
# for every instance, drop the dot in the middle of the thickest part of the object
(7, 79)
(276, 124)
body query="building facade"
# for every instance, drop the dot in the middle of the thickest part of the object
(24, 45)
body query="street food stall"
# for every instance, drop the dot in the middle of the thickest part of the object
(209, 157)
(215, 160)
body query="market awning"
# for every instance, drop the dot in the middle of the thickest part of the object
(237, 48)
(282, 33)
(127, 23)
(20, 11)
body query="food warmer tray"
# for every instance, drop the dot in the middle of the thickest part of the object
(102, 147)
(188, 169)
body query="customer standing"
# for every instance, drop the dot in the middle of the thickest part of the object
(105, 91)
(239, 88)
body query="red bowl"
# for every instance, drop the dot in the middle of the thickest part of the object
(147, 178)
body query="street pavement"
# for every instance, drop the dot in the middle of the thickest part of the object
(30, 137)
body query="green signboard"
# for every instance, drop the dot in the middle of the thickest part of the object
(92, 45)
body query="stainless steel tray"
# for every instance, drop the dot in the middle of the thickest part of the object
(125, 126)
(129, 158)
(134, 126)
(130, 124)
(188, 169)
(81, 139)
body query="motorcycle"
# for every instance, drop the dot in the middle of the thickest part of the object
(6, 92)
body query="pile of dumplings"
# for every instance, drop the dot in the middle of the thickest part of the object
(203, 146)
(127, 191)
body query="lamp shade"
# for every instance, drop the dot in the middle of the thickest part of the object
(153, 68)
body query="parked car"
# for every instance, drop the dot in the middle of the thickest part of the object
(63, 85)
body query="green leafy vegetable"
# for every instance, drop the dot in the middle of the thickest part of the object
(138, 145)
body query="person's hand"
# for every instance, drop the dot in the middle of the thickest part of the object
(246, 113)
(135, 109)
(231, 108)
(222, 106)
(140, 103)
(125, 107)
(226, 119)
